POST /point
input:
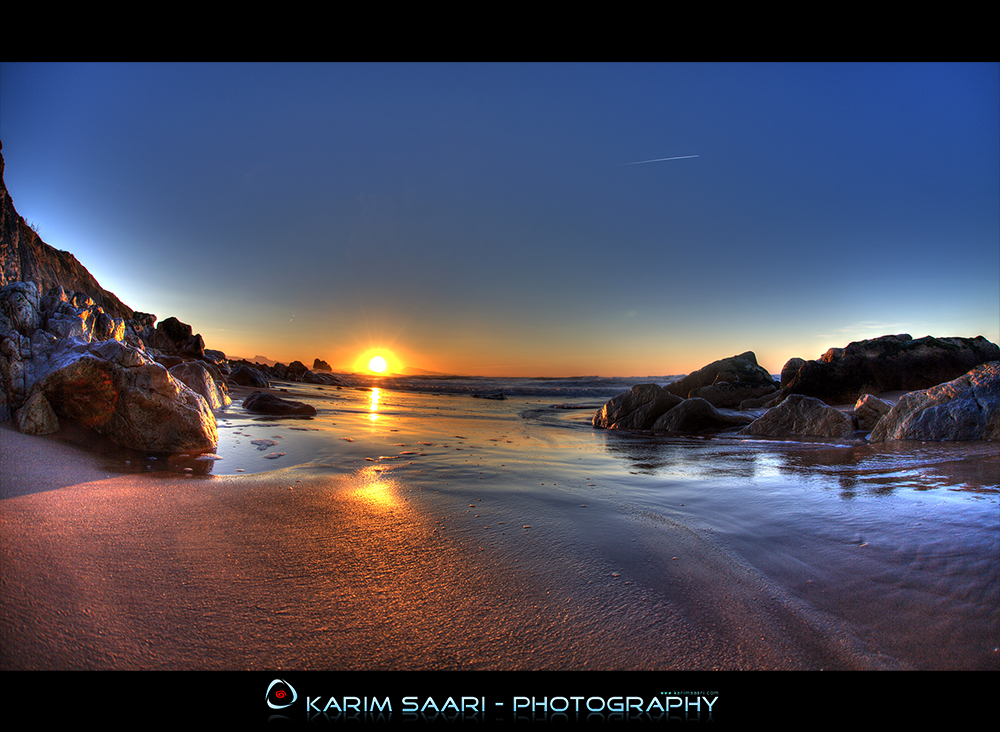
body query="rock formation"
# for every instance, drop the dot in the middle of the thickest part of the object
(636, 409)
(263, 403)
(25, 257)
(966, 408)
(959, 409)
(78, 353)
(120, 392)
(889, 363)
(742, 369)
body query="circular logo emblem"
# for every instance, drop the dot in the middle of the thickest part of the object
(280, 694)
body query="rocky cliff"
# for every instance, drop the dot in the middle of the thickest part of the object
(25, 257)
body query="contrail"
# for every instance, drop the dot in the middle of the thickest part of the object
(659, 160)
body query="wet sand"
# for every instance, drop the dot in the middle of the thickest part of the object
(298, 568)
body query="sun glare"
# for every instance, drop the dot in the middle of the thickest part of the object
(378, 360)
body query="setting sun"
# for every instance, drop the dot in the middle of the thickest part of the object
(378, 360)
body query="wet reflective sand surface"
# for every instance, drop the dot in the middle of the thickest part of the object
(431, 531)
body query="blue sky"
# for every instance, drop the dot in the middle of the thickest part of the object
(483, 218)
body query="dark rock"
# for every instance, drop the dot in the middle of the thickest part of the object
(637, 409)
(321, 365)
(176, 338)
(295, 370)
(741, 368)
(263, 403)
(243, 375)
(731, 395)
(801, 416)
(694, 416)
(771, 399)
(966, 408)
(790, 369)
(498, 395)
(889, 363)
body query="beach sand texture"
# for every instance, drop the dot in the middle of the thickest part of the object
(386, 564)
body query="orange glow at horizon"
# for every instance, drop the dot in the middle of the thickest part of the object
(378, 360)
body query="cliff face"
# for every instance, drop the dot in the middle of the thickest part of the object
(25, 257)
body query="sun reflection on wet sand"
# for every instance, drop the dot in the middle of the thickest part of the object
(372, 488)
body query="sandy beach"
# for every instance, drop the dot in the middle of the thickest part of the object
(299, 569)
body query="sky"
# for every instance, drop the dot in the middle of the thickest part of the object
(502, 220)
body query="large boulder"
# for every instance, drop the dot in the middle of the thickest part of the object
(320, 365)
(694, 416)
(889, 363)
(801, 416)
(742, 368)
(122, 393)
(636, 409)
(966, 408)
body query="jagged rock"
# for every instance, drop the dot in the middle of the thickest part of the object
(176, 338)
(320, 365)
(966, 408)
(243, 375)
(730, 395)
(122, 393)
(869, 410)
(801, 416)
(741, 368)
(198, 377)
(637, 409)
(889, 363)
(263, 403)
(36, 417)
(693, 416)
(24, 257)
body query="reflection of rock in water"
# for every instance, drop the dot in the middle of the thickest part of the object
(853, 467)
